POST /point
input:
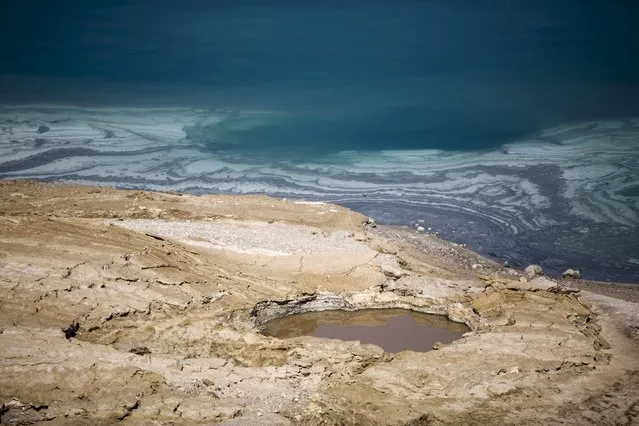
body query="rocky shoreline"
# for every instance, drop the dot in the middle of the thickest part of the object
(143, 307)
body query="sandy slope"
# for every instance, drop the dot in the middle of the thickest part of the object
(170, 290)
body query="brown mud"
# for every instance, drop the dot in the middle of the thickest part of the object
(394, 330)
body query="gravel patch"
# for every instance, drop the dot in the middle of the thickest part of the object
(271, 239)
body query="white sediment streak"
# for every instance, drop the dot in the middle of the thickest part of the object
(248, 237)
(580, 169)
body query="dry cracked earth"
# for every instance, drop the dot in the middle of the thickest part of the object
(169, 292)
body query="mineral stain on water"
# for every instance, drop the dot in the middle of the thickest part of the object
(394, 330)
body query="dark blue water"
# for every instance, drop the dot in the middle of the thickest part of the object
(458, 75)
(299, 84)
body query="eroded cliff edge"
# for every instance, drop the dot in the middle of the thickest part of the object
(169, 292)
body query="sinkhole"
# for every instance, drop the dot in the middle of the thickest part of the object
(394, 330)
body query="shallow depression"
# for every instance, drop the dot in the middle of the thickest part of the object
(394, 330)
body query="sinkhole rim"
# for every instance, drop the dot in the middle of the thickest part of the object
(269, 309)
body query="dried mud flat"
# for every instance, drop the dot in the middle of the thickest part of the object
(169, 292)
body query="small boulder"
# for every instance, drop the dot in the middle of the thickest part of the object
(420, 229)
(390, 266)
(572, 274)
(534, 270)
(542, 284)
(536, 284)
